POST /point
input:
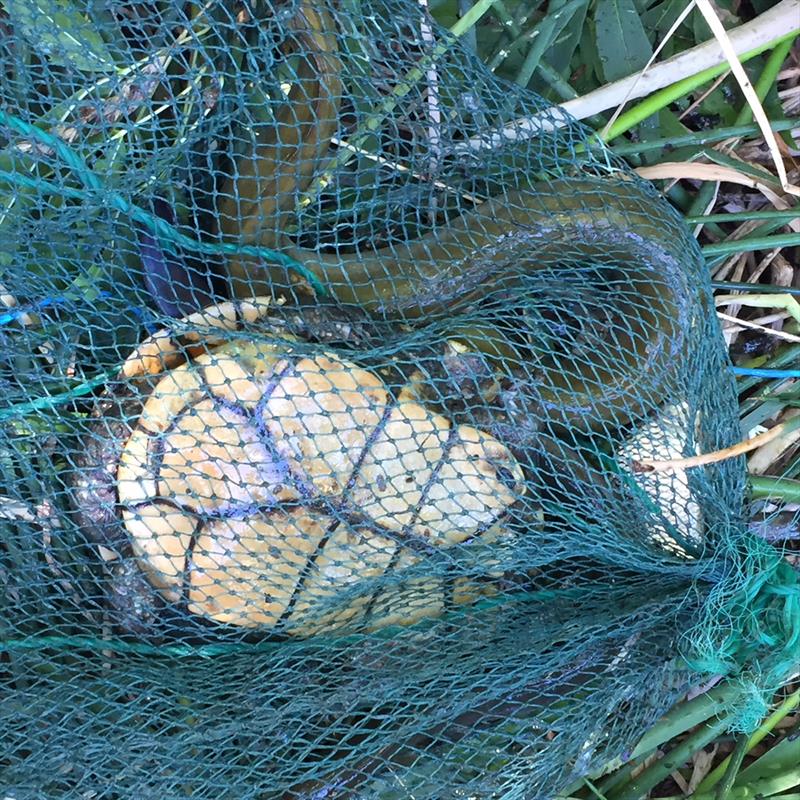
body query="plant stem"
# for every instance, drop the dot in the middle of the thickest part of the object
(753, 792)
(665, 766)
(511, 33)
(766, 80)
(732, 769)
(543, 34)
(596, 793)
(470, 38)
(700, 138)
(556, 82)
(754, 243)
(786, 707)
(746, 216)
(661, 99)
(622, 776)
(765, 486)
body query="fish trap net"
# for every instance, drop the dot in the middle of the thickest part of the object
(329, 367)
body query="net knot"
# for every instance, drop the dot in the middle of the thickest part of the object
(751, 634)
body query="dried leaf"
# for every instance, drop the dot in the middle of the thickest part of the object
(690, 170)
(702, 763)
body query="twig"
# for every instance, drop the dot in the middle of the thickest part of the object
(746, 323)
(738, 449)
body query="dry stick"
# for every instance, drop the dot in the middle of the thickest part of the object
(738, 449)
(746, 323)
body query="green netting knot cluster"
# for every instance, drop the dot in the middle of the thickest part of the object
(753, 633)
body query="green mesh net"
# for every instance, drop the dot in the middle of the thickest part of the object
(327, 362)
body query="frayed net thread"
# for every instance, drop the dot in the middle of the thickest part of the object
(751, 635)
